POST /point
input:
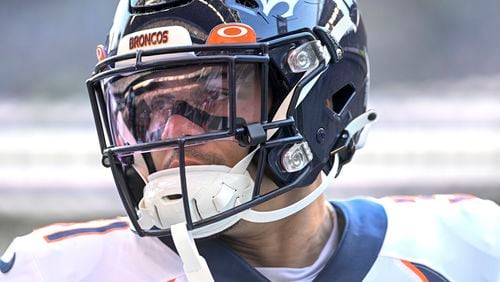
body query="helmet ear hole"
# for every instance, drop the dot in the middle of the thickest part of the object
(174, 196)
(339, 100)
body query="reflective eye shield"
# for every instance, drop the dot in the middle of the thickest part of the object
(193, 99)
(111, 67)
(228, 54)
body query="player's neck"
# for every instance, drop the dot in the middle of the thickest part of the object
(295, 241)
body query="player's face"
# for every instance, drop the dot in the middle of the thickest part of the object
(187, 101)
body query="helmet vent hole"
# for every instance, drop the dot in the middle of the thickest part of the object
(173, 196)
(340, 99)
(252, 4)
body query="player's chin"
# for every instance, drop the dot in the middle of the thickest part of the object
(239, 230)
(187, 162)
(194, 157)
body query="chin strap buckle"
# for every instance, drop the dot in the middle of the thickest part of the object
(345, 146)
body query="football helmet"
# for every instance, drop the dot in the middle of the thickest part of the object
(196, 102)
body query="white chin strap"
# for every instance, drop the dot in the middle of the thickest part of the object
(269, 216)
(361, 123)
(195, 266)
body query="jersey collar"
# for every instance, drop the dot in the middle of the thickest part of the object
(362, 224)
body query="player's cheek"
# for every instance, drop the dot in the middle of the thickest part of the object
(249, 105)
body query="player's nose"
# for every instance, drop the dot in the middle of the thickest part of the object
(178, 126)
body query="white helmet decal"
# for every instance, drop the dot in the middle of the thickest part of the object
(268, 5)
(341, 21)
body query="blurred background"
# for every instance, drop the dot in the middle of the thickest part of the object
(435, 69)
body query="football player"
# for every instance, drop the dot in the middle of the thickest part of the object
(223, 123)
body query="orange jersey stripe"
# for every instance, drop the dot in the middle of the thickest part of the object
(415, 270)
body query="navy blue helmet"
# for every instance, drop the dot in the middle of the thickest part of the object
(197, 103)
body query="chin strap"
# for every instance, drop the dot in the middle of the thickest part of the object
(269, 216)
(361, 123)
(195, 266)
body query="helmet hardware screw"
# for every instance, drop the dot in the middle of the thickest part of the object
(372, 116)
(339, 52)
(105, 161)
(321, 135)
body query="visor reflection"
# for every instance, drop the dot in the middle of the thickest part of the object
(185, 101)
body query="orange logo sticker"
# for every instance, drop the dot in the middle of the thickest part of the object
(232, 33)
(100, 53)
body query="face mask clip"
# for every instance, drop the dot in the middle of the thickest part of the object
(333, 47)
(253, 135)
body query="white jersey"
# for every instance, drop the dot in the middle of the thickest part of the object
(439, 238)
(443, 238)
(103, 250)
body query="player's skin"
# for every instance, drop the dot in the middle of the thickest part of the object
(274, 244)
(295, 241)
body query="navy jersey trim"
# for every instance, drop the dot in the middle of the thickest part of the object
(363, 232)
(363, 224)
(224, 264)
(85, 231)
(7, 266)
(430, 274)
(232, 268)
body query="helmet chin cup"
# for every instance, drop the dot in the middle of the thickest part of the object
(212, 189)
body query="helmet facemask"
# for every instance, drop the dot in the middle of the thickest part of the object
(187, 119)
(186, 102)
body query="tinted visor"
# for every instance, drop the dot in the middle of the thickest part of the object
(183, 101)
